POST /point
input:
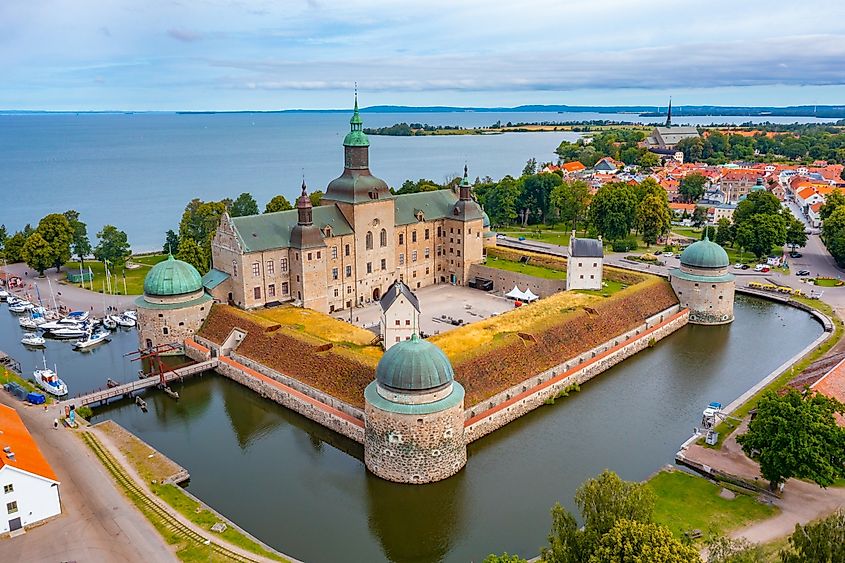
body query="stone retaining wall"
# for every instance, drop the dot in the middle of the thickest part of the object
(520, 399)
(504, 280)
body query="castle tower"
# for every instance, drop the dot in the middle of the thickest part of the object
(414, 415)
(308, 257)
(174, 304)
(465, 228)
(703, 283)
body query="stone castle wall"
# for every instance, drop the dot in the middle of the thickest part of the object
(414, 448)
(504, 280)
(180, 324)
(708, 303)
(512, 403)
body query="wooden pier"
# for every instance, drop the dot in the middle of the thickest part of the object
(128, 389)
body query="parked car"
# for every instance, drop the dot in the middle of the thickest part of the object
(802, 273)
(658, 253)
(745, 266)
(738, 266)
(759, 268)
(795, 255)
(521, 238)
(668, 254)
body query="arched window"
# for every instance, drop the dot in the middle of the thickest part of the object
(369, 240)
(384, 237)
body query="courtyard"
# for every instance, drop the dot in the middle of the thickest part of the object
(438, 304)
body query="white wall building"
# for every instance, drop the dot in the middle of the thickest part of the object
(584, 267)
(400, 314)
(29, 489)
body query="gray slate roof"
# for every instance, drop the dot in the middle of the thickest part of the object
(398, 288)
(272, 230)
(586, 248)
(673, 135)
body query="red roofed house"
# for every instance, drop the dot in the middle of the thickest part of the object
(738, 182)
(832, 384)
(814, 215)
(678, 209)
(572, 167)
(30, 487)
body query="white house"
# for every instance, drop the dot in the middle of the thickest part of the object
(400, 314)
(584, 267)
(30, 488)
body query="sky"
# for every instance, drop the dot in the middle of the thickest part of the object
(278, 54)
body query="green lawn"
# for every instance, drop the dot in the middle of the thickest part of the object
(134, 277)
(610, 287)
(827, 282)
(556, 235)
(687, 502)
(528, 269)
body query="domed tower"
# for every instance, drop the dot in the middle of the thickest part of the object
(703, 283)
(414, 415)
(174, 304)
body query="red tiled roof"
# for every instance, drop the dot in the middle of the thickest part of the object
(832, 384)
(573, 166)
(28, 456)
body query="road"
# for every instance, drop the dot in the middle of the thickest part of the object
(97, 523)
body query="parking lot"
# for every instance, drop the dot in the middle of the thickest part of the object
(438, 304)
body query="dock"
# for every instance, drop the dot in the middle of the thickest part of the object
(128, 389)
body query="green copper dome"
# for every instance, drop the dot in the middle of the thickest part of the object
(705, 254)
(172, 277)
(485, 219)
(414, 365)
(356, 136)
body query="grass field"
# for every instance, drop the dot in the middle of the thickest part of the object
(134, 277)
(527, 269)
(551, 236)
(687, 502)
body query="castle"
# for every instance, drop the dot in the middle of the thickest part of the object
(347, 251)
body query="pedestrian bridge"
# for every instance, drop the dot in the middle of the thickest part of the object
(103, 397)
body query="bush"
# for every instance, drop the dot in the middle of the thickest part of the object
(624, 245)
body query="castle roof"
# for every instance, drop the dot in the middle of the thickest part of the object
(586, 248)
(414, 365)
(705, 254)
(398, 288)
(172, 277)
(273, 230)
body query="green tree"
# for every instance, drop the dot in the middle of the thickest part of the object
(699, 216)
(567, 543)
(833, 200)
(113, 247)
(56, 230)
(692, 187)
(199, 223)
(171, 242)
(571, 199)
(796, 435)
(504, 558)
(648, 160)
(606, 499)
(630, 541)
(721, 549)
(530, 167)
(817, 542)
(613, 211)
(760, 233)
(757, 203)
(500, 201)
(833, 235)
(654, 217)
(37, 253)
(13, 249)
(316, 197)
(278, 203)
(796, 234)
(80, 245)
(535, 199)
(190, 252)
(3, 236)
(724, 232)
(244, 205)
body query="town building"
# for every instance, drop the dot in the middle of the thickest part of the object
(703, 283)
(174, 304)
(737, 183)
(414, 415)
(30, 487)
(584, 266)
(400, 314)
(667, 138)
(347, 251)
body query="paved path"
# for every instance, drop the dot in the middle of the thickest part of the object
(98, 523)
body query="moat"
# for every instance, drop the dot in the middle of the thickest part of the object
(304, 490)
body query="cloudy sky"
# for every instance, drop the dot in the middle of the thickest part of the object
(279, 54)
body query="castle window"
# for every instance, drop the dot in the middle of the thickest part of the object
(369, 267)
(426, 237)
(257, 292)
(401, 238)
(256, 269)
(181, 324)
(427, 271)
(383, 238)
(271, 290)
(285, 289)
(459, 252)
(348, 271)
(470, 231)
(283, 264)
(407, 322)
(334, 252)
(439, 231)
(414, 274)
(398, 338)
(427, 252)
(439, 250)
(335, 273)
(595, 264)
(319, 254)
(12, 507)
(414, 256)
(369, 240)
(398, 322)
(580, 264)
(8, 489)
(336, 293)
(165, 331)
(160, 315)
(271, 268)
(234, 269)
(310, 255)
(346, 250)
(401, 259)
(413, 236)
(383, 264)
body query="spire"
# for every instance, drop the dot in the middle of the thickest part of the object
(464, 187)
(356, 136)
(669, 114)
(304, 207)
(356, 121)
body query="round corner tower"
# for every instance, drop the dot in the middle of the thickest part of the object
(174, 304)
(704, 285)
(414, 415)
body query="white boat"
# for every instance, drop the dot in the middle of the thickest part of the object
(4, 294)
(131, 314)
(92, 339)
(61, 323)
(32, 339)
(49, 380)
(109, 323)
(20, 306)
(70, 332)
(78, 316)
(124, 321)
(27, 323)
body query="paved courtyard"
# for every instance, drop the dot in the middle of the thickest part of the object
(438, 303)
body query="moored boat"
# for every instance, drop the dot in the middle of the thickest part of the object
(124, 321)
(78, 331)
(109, 323)
(78, 316)
(49, 380)
(32, 339)
(27, 323)
(92, 338)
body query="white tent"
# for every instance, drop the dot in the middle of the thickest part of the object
(515, 293)
(529, 296)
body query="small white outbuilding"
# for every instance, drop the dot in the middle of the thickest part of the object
(584, 267)
(400, 314)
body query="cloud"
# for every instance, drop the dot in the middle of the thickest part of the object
(184, 35)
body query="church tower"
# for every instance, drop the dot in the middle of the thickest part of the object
(669, 114)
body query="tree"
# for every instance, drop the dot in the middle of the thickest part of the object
(817, 542)
(757, 203)
(630, 541)
(692, 187)
(199, 222)
(796, 435)
(648, 160)
(613, 211)
(722, 549)
(760, 233)
(796, 234)
(535, 199)
(504, 558)
(724, 232)
(171, 242)
(13, 249)
(654, 218)
(530, 167)
(56, 230)
(567, 544)
(37, 253)
(606, 499)
(244, 205)
(278, 203)
(3, 236)
(190, 252)
(833, 200)
(699, 216)
(500, 201)
(833, 235)
(316, 197)
(80, 245)
(571, 199)
(113, 247)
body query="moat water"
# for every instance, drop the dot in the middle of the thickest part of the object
(305, 490)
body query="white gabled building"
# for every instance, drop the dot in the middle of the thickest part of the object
(29, 488)
(400, 314)
(584, 267)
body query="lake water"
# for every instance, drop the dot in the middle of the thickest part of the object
(137, 171)
(305, 490)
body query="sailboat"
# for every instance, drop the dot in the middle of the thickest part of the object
(49, 380)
